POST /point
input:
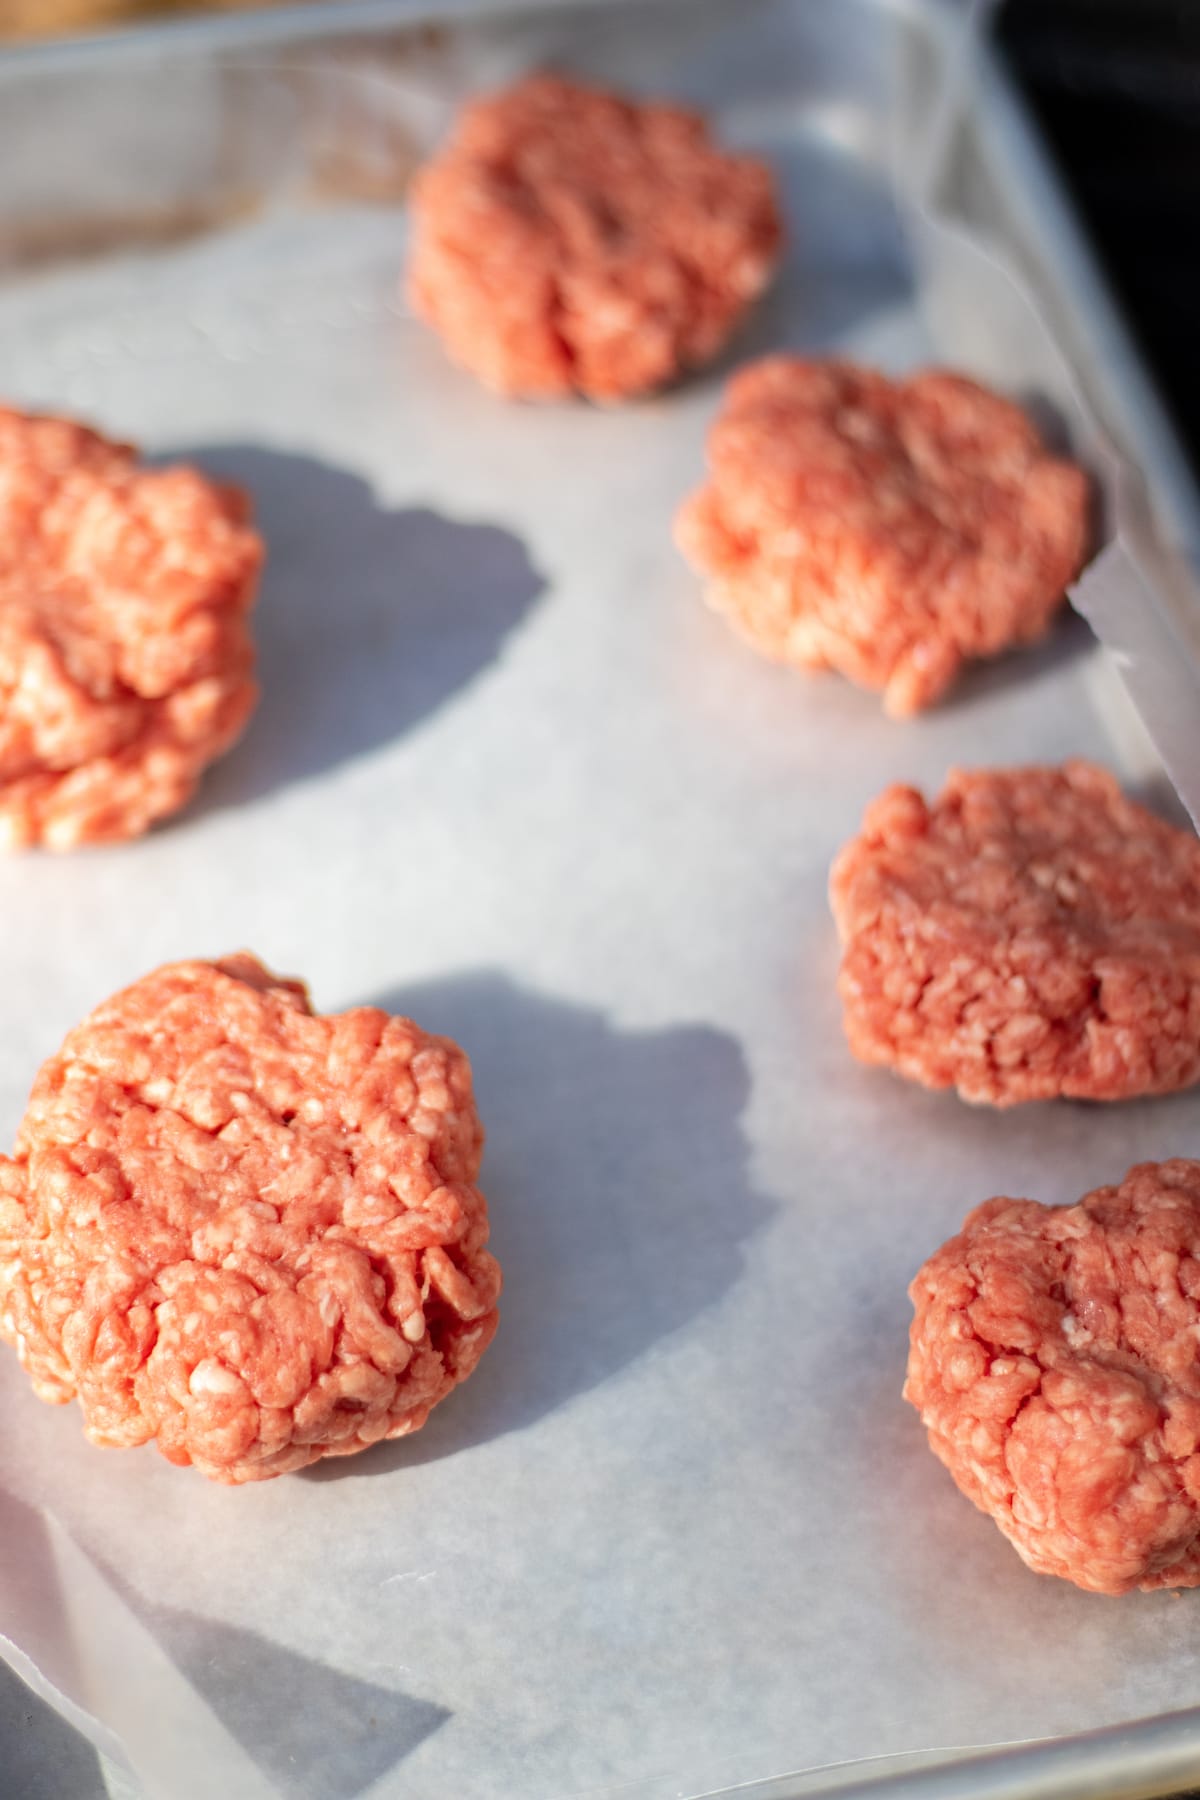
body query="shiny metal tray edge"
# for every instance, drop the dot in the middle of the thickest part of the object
(1031, 221)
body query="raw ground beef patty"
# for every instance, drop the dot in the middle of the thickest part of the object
(567, 240)
(126, 663)
(1031, 933)
(887, 529)
(246, 1232)
(1056, 1365)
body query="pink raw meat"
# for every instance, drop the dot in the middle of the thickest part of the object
(245, 1232)
(1055, 1361)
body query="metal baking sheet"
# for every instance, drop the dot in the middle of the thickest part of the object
(678, 1535)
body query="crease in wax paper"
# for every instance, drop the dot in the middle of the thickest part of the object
(1140, 592)
(678, 1533)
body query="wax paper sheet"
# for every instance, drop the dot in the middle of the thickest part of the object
(510, 776)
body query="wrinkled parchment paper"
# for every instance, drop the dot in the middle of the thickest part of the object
(509, 775)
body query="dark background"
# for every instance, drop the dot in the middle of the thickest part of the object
(1115, 87)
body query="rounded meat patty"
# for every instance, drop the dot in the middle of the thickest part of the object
(1054, 1363)
(126, 663)
(567, 240)
(1031, 933)
(244, 1231)
(891, 530)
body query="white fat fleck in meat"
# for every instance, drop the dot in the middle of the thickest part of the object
(243, 1335)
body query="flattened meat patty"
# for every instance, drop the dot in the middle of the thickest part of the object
(570, 241)
(891, 530)
(243, 1231)
(1030, 933)
(126, 663)
(1055, 1362)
